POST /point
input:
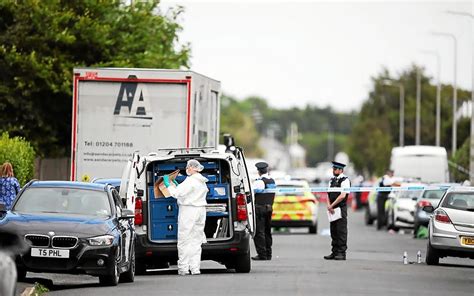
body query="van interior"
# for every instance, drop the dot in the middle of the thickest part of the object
(163, 212)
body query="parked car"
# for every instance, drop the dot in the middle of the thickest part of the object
(451, 227)
(400, 207)
(73, 227)
(429, 197)
(295, 209)
(230, 217)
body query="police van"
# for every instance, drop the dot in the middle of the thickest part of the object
(230, 220)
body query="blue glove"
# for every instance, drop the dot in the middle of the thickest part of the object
(166, 180)
(175, 182)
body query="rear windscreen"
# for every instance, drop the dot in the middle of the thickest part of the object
(459, 201)
(433, 194)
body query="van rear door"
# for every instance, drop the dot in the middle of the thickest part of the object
(128, 182)
(248, 192)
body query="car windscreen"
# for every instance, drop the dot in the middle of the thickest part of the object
(64, 201)
(409, 194)
(433, 194)
(459, 201)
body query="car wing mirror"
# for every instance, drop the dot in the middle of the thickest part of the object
(428, 209)
(127, 214)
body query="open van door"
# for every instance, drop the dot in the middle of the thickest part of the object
(127, 184)
(248, 192)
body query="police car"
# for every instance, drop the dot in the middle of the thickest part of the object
(295, 205)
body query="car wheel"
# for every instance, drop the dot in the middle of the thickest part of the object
(416, 227)
(242, 263)
(314, 228)
(111, 279)
(432, 257)
(20, 274)
(129, 275)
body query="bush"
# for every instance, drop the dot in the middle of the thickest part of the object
(20, 154)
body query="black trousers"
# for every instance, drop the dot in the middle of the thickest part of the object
(263, 233)
(339, 233)
(381, 219)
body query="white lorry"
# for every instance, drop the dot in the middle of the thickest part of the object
(118, 111)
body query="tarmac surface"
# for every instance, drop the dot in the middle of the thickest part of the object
(374, 266)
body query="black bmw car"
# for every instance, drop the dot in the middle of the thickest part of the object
(73, 227)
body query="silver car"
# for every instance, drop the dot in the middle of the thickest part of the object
(451, 226)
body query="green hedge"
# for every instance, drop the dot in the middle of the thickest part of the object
(20, 154)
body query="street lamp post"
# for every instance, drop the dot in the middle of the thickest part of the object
(471, 155)
(418, 107)
(401, 132)
(455, 90)
(438, 94)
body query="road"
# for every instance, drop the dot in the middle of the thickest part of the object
(374, 267)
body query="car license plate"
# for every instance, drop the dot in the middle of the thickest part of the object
(49, 253)
(467, 241)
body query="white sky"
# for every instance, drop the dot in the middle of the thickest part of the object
(321, 53)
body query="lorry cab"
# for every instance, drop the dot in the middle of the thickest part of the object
(230, 220)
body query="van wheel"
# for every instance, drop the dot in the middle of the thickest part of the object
(242, 263)
(314, 228)
(432, 256)
(367, 218)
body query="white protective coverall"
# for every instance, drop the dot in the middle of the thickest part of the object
(191, 196)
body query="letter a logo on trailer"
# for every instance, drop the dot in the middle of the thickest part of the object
(132, 101)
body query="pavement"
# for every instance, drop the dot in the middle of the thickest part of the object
(374, 266)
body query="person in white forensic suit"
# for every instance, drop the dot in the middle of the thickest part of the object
(191, 196)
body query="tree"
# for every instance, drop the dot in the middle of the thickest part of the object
(376, 129)
(42, 41)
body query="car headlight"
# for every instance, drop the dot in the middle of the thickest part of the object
(103, 240)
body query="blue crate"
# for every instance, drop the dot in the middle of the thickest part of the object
(211, 178)
(170, 166)
(161, 210)
(209, 165)
(218, 191)
(164, 230)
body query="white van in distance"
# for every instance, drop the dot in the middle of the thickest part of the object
(424, 163)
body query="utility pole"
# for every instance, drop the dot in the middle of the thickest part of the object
(471, 157)
(455, 88)
(418, 106)
(438, 94)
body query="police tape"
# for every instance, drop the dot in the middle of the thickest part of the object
(353, 189)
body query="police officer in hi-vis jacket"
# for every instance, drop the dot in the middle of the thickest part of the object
(264, 210)
(338, 200)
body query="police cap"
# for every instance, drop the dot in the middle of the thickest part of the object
(261, 165)
(338, 165)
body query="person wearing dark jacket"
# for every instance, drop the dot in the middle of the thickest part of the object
(338, 200)
(264, 209)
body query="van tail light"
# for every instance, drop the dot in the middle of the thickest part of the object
(138, 211)
(442, 217)
(241, 207)
(423, 203)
